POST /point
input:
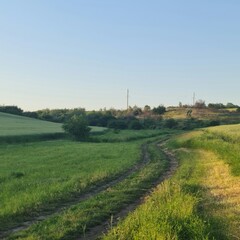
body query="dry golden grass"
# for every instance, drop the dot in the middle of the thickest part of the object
(223, 193)
(181, 113)
(229, 131)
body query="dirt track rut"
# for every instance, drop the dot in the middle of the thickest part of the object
(97, 231)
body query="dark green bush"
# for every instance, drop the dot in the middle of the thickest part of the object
(118, 124)
(135, 124)
(170, 123)
(77, 127)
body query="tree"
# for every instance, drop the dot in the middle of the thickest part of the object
(159, 110)
(118, 124)
(231, 105)
(170, 123)
(77, 127)
(146, 108)
(100, 118)
(136, 110)
(135, 124)
(11, 109)
(189, 112)
(200, 104)
(216, 105)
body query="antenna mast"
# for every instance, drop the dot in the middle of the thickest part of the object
(127, 99)
(193, 99)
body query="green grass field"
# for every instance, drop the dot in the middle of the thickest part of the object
(34, 175)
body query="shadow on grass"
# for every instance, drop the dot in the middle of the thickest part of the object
(31, 138)
(216, 227)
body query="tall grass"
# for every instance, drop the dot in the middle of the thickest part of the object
(223, 140)
(218, 154)
(170, 213)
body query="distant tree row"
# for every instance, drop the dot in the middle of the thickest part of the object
(132, 118)
(11, 109)
(55, 115)
(95, 118)
(137, 111)
(222, 106)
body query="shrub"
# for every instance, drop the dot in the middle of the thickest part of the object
(77, 127)
(170, 123)
(135, 124)
(214, 123)
(200, 104)
(118, 124)
(159, 110)
(150, 123)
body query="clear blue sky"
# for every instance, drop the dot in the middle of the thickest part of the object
(86, 53)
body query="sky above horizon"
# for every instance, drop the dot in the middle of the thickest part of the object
(67, 54)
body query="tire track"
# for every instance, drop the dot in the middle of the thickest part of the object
(97, 231)
(94, 191)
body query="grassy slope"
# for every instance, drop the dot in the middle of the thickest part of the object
(201, 201)
(36, 174)
(222, 140)
(204, 114)
(12, 125)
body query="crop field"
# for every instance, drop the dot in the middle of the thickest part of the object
(13, 125)
(202, 200)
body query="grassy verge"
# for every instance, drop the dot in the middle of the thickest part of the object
(218, 151)
(77, 219)
(222, 140)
